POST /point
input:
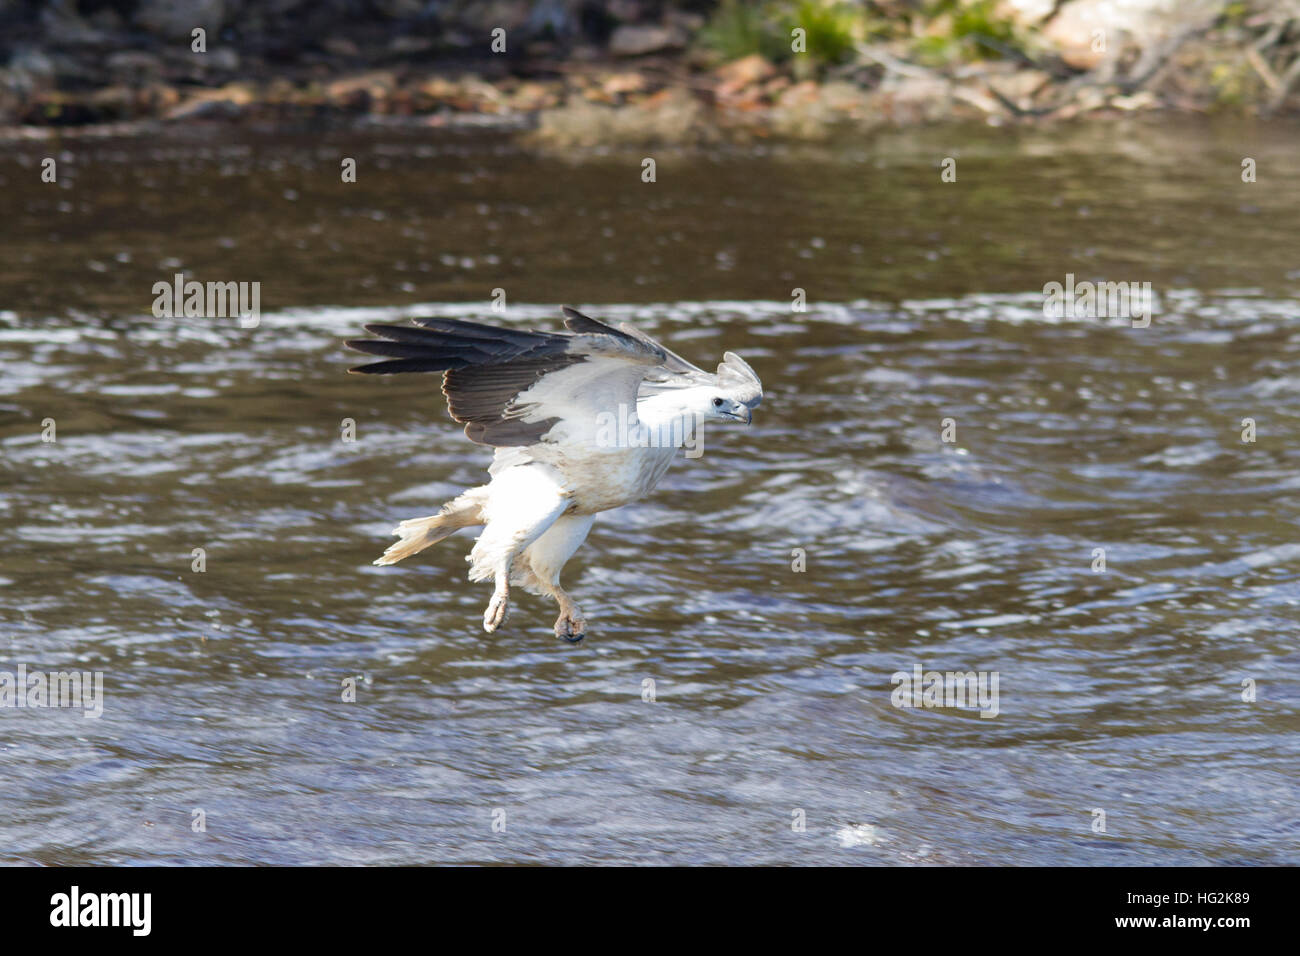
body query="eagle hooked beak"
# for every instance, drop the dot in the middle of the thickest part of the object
(743, 414)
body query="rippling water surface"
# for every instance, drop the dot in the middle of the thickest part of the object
(1120, 690)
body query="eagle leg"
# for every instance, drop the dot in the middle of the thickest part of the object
(523, 502)
(570, 625)
(495, 615)
(545, 559)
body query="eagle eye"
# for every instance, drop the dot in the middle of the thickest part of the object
(717, 403)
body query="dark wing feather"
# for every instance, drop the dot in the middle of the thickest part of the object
(673, 365)
(452, 341)
(575, 321)
(481, 397)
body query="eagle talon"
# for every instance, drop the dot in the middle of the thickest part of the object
(571, 629)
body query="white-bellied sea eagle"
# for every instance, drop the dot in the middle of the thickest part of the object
(582, 421)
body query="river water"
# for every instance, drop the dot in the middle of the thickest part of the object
(732, 702)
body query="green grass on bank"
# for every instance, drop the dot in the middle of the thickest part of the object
(941, 31)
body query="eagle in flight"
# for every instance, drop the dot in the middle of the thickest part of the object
(582, 421)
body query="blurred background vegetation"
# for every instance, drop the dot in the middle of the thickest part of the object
(68, 62)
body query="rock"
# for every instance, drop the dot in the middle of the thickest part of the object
(668, 117)
(776, 86)
(1071, 32)
(1024, 13)
(467, 95)
(810, 111)
(671, 113)
(361, 92)
(533, 96)
(739, 74)
(845, 98)
(638, 40)
(1019, 86)
(156, 99)
(378, 82)
(282, 91)
(800, 96)
(1143, 100)
(439, 88)
(227, 102)
(594, 94)
(915, 99)
(744, 84)
(620, 84)
(1086, 33)
(480, 96)
(940, 26)
(203, 109)
(1090, 98)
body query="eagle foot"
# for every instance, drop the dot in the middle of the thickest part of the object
(495, 615)
(571, 628)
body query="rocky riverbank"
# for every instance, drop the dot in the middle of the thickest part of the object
(623, 73)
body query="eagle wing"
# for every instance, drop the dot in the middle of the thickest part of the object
(511, 387)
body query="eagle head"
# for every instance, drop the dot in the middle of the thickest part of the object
(738, 391)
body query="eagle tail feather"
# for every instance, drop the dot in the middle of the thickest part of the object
(416, 534)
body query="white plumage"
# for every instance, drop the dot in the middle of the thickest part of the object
(583, 421)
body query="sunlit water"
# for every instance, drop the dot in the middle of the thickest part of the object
(1120, 690)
